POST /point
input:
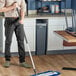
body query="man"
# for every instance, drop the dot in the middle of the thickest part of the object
(14, 22)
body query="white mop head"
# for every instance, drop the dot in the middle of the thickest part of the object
(48, 73)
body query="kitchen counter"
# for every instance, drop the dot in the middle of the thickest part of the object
(44, 15)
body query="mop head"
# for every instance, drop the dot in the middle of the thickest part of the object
(48, 73)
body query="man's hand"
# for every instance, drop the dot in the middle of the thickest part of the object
(9, 8)
(21, 21)
(15, 5)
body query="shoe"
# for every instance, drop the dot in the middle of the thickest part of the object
(25, 65)
(6, 64)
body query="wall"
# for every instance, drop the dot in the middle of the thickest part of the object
(74, 4)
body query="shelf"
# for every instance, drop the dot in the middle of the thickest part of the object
(51, 10)
(49, 1)
(50, 13)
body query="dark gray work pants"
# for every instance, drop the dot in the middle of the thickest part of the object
(13, 25)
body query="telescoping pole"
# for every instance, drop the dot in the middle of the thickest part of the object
(34, 68)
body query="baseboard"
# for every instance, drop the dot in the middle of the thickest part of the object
(16, 54)
(62, 51)
(27, 53)
(48, 52)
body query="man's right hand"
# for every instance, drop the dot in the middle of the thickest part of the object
(15, 5)
(9, 8)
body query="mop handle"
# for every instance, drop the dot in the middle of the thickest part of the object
(31, 58)
(29, 51)
(28, 47)
(30, 54)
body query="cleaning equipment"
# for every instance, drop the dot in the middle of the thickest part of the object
(72, 29)
(34, 69)
(30, 55)
(48, 73)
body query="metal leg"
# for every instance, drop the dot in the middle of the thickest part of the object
(66, 16)
(75, 21)
(72, 19)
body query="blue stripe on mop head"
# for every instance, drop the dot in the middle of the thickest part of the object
(48, 73)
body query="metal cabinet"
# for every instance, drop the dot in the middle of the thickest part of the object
(41, 36)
